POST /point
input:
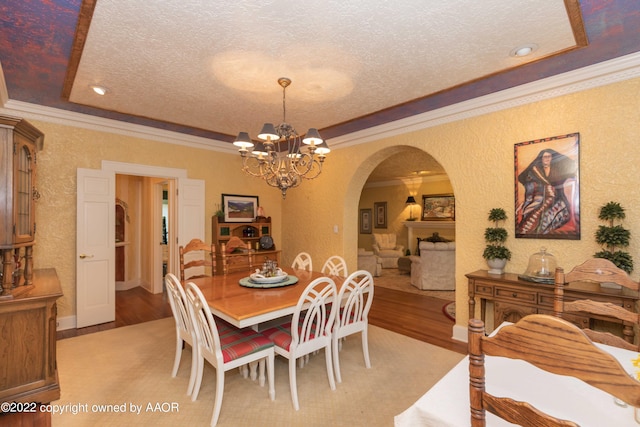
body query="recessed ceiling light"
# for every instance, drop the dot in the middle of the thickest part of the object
(523, 50)
(100, 90)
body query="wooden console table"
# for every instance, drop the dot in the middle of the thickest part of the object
(514, 298)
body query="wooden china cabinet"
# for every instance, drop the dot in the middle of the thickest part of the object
(28, 312)
(256, 234)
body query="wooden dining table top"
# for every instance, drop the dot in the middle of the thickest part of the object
(243, 306)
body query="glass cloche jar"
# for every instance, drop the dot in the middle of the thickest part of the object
(541, 268)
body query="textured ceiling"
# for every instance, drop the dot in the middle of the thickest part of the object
(210, 68)
(214, 65)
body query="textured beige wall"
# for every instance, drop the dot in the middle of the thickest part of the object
(67, 148)
(476, 153)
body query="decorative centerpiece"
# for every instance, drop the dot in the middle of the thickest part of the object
(270, 273)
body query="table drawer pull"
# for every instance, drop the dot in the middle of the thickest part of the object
(516, 295)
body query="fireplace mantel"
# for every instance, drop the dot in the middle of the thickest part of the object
(429, 224)
(433, 225)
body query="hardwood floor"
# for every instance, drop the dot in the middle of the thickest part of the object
(133, 306)
(416, 316)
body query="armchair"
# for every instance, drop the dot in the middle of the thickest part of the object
(384, 246)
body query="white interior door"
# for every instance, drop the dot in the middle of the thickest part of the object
(191, 221)
(95, 246)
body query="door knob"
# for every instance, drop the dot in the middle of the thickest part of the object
(83, 256)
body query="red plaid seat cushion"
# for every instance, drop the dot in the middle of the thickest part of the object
(236, 342)
(281, 335)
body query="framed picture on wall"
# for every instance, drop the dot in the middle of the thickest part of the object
(365, 221)
(439, 207)
(547, 190)
(239, 208)
(380, 209)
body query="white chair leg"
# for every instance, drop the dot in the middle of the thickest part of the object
(260, 372)
(292, 384)
(176, 360)
(217, 401)
(271, 375)
(253, 370)
(198, 382)
(194, 369)
(335, 344)
(365, 348)
(244, 371)
(327, 355)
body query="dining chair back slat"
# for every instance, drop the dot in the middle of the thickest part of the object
(356, 297)
(335, 266)
(598, 270)
(197, 259)
(309, 330)
(553, 345)
(185, 332)
(303, 262)
(225, 347)
(242, 261)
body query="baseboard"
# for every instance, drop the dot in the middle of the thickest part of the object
(125, 286)
(460, 333)
(64, 323)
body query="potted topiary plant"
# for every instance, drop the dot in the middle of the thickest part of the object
(612, 237)
(495, 252)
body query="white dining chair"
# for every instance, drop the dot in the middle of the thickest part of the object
(356, 296)
(313, 320)
(302, 262)
(185, 332)
(335, 266)
(226, 347)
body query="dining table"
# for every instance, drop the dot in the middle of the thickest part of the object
(446, 404)
(254, 305)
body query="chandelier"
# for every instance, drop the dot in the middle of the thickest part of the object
(282, 158)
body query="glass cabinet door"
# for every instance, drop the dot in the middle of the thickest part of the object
(23, 197)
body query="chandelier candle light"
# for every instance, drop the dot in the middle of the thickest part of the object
(279, 159)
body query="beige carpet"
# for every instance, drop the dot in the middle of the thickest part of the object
(132, 365)
(392, 278)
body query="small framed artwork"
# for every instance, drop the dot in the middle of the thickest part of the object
(380, 209)
(239, 208)
(547, 188)
(438, 207)
(365, 221)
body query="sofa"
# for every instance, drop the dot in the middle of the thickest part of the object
(435, 268)
(385, 247)
(368, 261)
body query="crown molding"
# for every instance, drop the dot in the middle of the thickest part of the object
(601, 74)
(86, 121)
